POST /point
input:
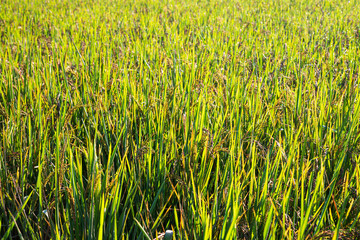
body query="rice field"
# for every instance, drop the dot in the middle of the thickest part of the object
(229, 119)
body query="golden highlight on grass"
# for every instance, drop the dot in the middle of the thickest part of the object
(207, 119)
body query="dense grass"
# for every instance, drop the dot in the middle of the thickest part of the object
(216, 119)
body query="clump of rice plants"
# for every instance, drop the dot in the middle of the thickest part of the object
(203, 119)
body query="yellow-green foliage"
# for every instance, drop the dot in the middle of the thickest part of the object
(216, 119)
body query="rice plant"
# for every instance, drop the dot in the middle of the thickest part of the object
(198, 119)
